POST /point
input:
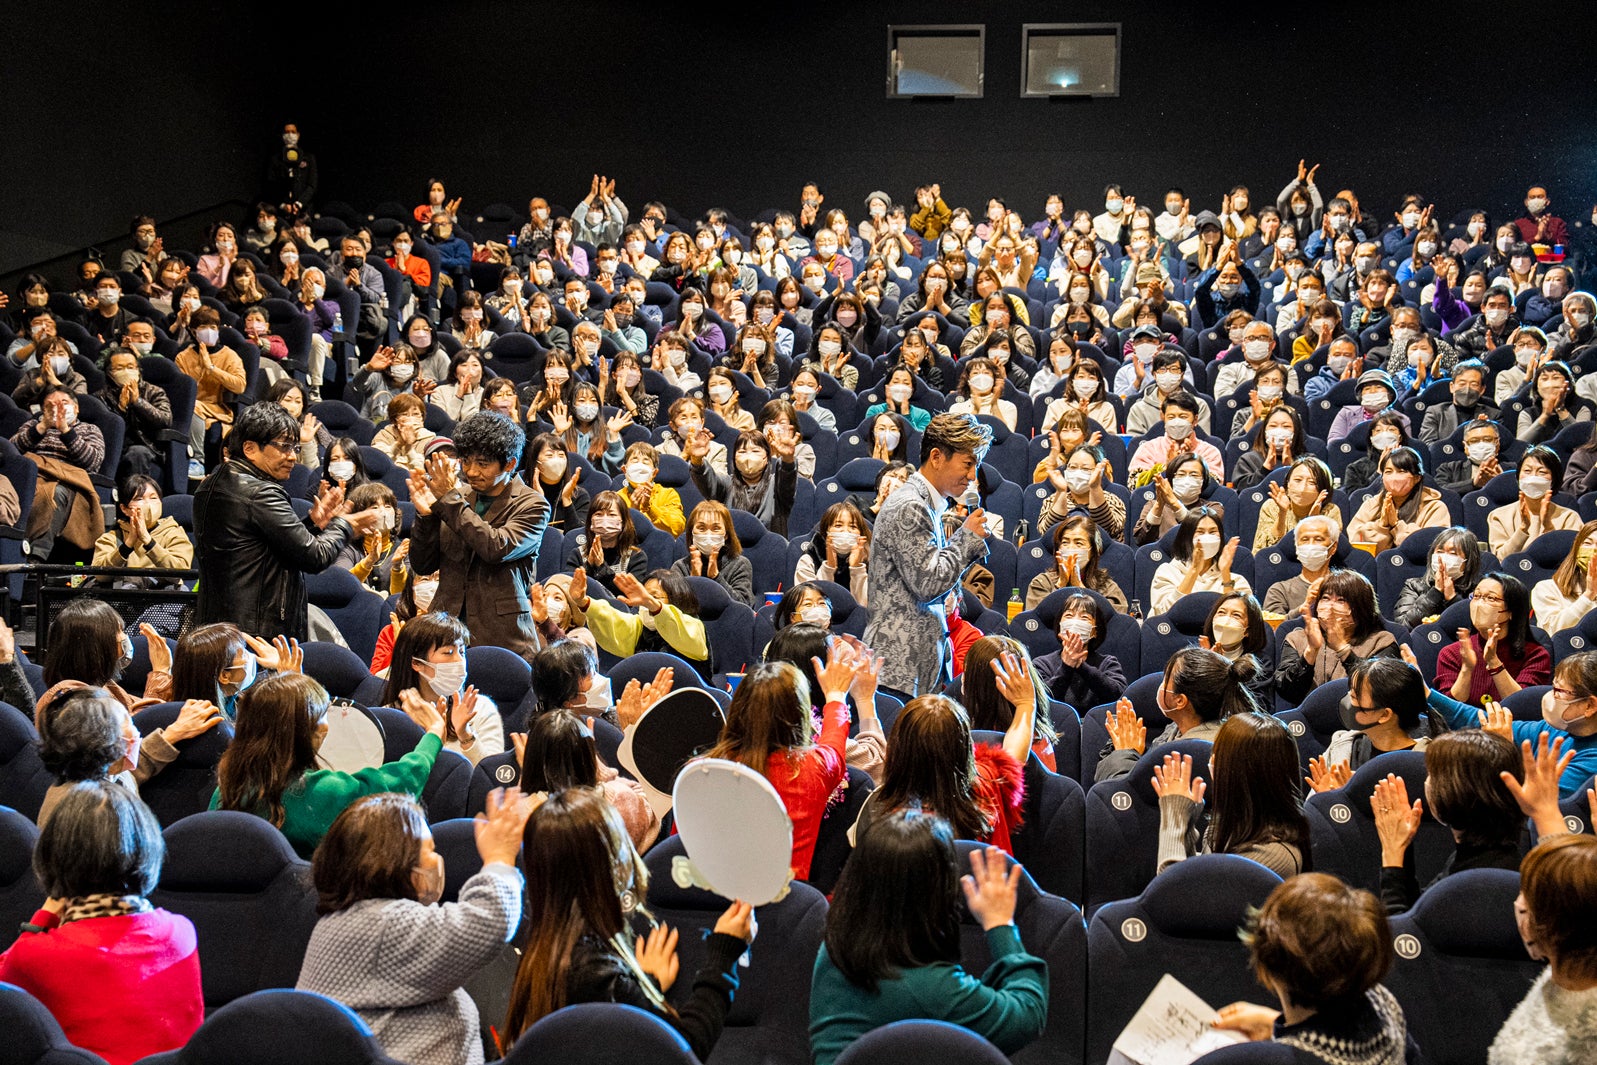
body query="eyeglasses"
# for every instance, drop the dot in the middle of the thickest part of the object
(1566, 694)
(1481, 597)
(284, 445)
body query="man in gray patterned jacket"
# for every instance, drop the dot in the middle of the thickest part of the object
(914, 565)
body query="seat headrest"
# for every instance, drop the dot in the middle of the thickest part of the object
(1471, 914)
(1207, 896)
(17, 838)
(224, 850)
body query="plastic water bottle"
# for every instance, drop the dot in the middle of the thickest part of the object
(1016, 605)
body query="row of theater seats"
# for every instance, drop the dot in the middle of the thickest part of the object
(1461, 967)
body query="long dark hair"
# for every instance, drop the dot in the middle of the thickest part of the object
(202, 654)
(1255, 787)
(986, 705)
(931, 765)
(770, 711)
(418, 639)
(85, 644)
(274, 744)
(578, 860)
(560, 754)
(897, 904)
(1516, 604)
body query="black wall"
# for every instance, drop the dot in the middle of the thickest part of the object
(1464, 102)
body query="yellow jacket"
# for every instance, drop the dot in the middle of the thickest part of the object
(664, 509)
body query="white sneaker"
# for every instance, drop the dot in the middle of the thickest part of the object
(196, 470)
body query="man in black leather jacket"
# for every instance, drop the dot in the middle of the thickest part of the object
(253, 549)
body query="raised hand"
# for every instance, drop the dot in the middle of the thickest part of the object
(1174, 777)
(1327, 777)
(1014, 680)
(578, 595)
(1495, 718)
(499, 827)
(657, 955)
(160, 653)
(1396, 821)
(836, 676)
(1538, 795)
(328, 505)
(990, 889)
(1126, 730)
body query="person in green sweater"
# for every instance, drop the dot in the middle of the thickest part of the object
(892, 943)
(270, 767)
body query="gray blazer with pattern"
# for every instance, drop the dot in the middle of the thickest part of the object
(913, 567)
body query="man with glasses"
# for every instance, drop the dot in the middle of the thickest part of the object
(253, 549)
(481, 539)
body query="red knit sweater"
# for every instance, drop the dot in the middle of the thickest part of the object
(124, 987)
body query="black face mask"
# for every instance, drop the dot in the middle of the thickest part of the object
(1081, 330)
(1350, 720)
(354, 262)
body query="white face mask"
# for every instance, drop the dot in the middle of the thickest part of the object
(708, 543)
(1269, 393)
(720, 393)
(1338, 363)
(448, 677)
(1426, 248)
(640, 472)
(1187, 487)
(817, 614)
(691, 311)
(888, 438)
(1207, 545)
(423, 592)
(1081, 627)
(900, 393)
(1078, 480)
(1313, 556)
(1525, 356)
(402, 371)
(1256, 350)
(1278, 436)
(1229, 631)
(1535, 487)
(1480, 452)
(125, 377)
(208, 337)
(981, 382)
(1168, 380)
(1374, 400)
(586, 412)
(1495, 316)
(843, 540)
(1385, 440)
(1084, 387)
(828, 348)
(1449, 563)
(341, 470)
(1177, 428)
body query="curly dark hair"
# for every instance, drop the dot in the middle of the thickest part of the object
(490, 435)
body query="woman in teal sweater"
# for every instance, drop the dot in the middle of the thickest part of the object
(1569, 710)
(270, 767)
(892, 943)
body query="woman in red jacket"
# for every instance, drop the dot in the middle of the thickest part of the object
(120, 976)
(769, 729)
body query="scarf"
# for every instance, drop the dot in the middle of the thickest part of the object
(1372, 1032)
(86, 907)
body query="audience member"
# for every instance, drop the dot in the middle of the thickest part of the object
(120, 975)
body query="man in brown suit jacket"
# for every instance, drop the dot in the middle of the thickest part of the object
(482, 541)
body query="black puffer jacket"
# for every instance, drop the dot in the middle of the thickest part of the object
(254, 550)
